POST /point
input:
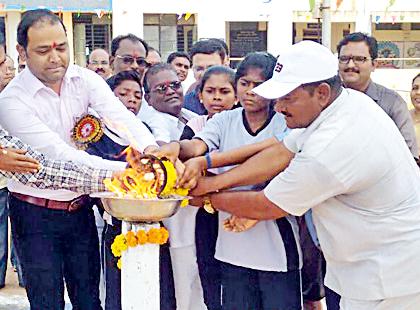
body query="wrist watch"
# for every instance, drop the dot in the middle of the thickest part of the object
(207, 205)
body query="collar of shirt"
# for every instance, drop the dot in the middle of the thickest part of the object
(372, 91)
(33, 84)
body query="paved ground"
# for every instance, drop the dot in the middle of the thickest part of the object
(13, 297)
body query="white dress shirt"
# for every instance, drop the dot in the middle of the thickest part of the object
(44, 119)
(354, 169)
(166, 128)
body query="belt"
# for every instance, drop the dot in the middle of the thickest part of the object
(71, 206)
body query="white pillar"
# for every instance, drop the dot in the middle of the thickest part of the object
(326, 23)
(11, 23)
(140, 287)
(363, 17)
(280, 28)
(127, 17)
(79, 41)
(68, 23)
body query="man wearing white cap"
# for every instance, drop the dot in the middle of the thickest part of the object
(347, 162)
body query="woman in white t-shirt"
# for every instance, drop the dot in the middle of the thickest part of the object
(260, 267)
(217, 93)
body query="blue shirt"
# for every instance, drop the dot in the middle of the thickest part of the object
(192, 102)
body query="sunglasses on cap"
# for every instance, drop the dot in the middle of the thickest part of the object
(129, 60)
(358, 60)
(162, 88)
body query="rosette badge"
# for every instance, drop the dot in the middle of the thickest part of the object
(88, 129)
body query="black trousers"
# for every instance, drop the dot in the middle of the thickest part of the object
(244, 288)
(206, 231)
(113, 274)
(54, 245)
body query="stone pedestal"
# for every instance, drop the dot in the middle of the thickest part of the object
(140, 273)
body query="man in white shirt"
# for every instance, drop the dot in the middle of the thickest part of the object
(99, 62)
(349, 163)
(163, 91)
(55, 229)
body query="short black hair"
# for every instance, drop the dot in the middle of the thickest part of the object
(216, 70)
(418, 75)
(208, 47)
(32, 17)
(261, 60)
(118, 78)
(174, 55)
(155, 69)
(222, 43)
(151, 49)
(334, 82)
(360, 37)
(115, 44)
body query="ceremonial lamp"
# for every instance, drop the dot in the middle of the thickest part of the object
(148, 178)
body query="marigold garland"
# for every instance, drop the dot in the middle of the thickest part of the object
(123, 241)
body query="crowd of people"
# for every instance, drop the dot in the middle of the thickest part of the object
(310, 165)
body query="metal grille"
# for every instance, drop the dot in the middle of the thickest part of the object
(98, 36)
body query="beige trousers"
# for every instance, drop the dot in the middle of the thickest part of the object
(410, 302)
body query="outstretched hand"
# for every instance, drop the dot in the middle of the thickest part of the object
(192, 173)
(14, 160)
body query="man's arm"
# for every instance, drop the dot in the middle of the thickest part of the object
(244, 204)
(46, 173)
(22, 122)
(195, 166)
(257, 169)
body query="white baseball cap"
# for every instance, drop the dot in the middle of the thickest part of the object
(304, 62)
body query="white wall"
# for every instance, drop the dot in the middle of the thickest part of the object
(211, 16)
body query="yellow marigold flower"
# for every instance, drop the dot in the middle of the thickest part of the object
(119, 264)
(115, 249)
(141, 237)
(131, 239)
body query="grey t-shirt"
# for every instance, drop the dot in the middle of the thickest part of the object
(262, 247)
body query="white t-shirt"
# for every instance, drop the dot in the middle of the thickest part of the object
(261, 247)
(353, 168)
(166, 128)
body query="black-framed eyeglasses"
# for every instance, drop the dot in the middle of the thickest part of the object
(358, 60)
(129, 60)
(162, 88)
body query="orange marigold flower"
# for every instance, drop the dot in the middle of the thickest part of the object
(154, 235)
(141, 237)
(131, 239)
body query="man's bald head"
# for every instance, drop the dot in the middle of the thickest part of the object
(99, 62)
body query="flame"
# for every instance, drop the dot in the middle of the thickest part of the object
(140, 180)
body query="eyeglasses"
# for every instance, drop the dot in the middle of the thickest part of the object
(358, 60)
(103, 62)
(162, 88)
(129, 60)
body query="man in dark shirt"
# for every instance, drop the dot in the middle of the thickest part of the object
(357, 53)
(203, 54)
